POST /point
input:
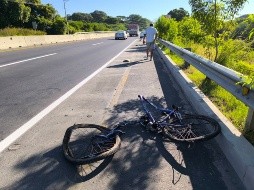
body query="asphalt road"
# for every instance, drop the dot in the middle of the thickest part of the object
(145, 161)
(33, 78)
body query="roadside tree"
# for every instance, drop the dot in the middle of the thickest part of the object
(178, 14)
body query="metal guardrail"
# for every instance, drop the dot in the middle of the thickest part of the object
(223, 76)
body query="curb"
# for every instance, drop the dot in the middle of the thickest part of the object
(237, 149)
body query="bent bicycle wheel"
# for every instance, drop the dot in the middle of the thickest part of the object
(83, 145)
(192, 128)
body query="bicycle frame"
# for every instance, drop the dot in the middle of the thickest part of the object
(111, 133)
(169, 113)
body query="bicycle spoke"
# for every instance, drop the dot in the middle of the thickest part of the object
(192, 128)
(87, 143)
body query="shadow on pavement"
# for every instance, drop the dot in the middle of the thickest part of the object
(129, 64)
(141, 160)
(143, 151)
(53, 171)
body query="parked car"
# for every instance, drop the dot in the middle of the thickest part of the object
(121, 35)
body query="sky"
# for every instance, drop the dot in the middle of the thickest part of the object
(150, 9)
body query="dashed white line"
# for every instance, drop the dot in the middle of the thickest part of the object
(28, 125)
(27, 60)
(97, 43)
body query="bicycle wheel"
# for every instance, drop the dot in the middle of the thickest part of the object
(82, 145)
(192, 128)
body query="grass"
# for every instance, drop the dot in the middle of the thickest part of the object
(20, 32)
(232, 108)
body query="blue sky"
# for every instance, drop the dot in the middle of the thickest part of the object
(150, 9)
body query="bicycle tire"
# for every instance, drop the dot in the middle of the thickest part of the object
(192, 128)
(82, 151)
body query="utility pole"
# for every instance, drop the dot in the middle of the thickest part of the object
(66, 16)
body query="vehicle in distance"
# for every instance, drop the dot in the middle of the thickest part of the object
(121, 35)
(133, 29)
(142, 34)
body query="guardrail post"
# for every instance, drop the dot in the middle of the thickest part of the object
(186, 64)
(250, 120)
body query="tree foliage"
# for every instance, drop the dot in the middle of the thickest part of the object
(21, 13)
(244, 28)
(58, 27)
(137, 19)
(30, 13)
(75, 26)
(112, 20)
(99, 16)
(191, 30)
(3, 13)
(210, 26)
(212, 13)
(84, 17)
(178, 14)
(167, 28)
(231, 7)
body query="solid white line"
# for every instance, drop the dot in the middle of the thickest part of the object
(26, 60)
(24, 128)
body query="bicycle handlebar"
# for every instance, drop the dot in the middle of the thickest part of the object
(163, 110)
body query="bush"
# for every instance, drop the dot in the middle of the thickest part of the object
(167, 28)
(232, 51)
(20, 32)
(75, 26)
(242, 67)
(88, 27)
(116, 27)
(58, 27)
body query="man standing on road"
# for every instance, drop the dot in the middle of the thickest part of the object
(150, 37)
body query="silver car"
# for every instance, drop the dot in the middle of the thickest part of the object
(121, 35)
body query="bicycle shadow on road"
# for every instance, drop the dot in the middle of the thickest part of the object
(52, 171)
(132, 165)
(143, 152)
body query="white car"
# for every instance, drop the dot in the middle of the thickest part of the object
(121, 35)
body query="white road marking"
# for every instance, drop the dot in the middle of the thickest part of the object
(97, 43)
(28, 125)
(26, 60)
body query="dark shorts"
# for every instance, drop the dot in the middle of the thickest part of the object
(150, 45)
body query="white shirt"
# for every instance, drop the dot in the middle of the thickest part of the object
(150, 34)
